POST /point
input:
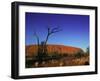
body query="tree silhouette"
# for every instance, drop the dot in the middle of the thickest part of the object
(87, 50)
(42, 53)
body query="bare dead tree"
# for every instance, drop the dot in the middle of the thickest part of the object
(42, 48)
(50, 31)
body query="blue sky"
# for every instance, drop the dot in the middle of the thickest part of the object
(75, 29)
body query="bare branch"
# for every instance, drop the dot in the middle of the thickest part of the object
(54, 30)
(36, 38)
(51, 31)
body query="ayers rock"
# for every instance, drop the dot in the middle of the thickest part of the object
(61, 49)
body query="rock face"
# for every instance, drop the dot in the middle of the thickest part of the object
(61, 49)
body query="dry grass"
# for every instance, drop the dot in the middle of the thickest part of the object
(65, 61)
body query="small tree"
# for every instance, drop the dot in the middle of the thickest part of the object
(87, 50)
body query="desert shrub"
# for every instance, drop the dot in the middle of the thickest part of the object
(86, 54)
(64, 54)
(28, 63)
(54, 55)
(79, 55)
(41, 57)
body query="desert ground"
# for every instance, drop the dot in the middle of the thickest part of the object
(56, 56)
